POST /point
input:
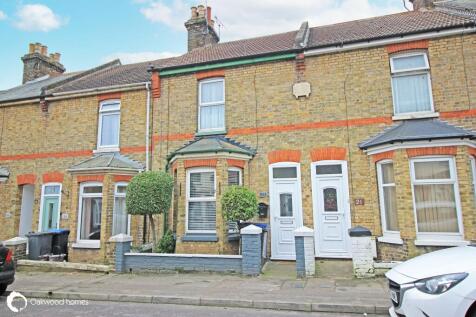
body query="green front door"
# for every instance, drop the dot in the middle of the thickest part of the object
(50, 213)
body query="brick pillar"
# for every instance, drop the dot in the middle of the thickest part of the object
(123, 245)
(18, 247)
(362, 252)
(305, 257)
(251, 250)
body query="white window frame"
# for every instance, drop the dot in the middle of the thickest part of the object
(442, 238)
(240, 174)
(116, 194)
(194, 199)
(473, 171)
(90, 244)
(411, 71)
(216, 103)
(388, 236)
(43, 195)
(102, 113)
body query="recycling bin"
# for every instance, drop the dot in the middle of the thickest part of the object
(39, 244)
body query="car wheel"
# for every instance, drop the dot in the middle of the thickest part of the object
(3, 288)
(472, 311)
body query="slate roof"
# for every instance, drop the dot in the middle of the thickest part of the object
(381, 27)
(107, 161)
(213, 144)
(33, 88)
(4, 172)
(418, 130)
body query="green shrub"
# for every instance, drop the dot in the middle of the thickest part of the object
(166, 244)
(149, 193)
(239, 204)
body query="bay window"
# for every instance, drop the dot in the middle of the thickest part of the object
(388, 202)
(201, 200)
(109, 125)
(120, 218)
(211, 105)
(411, 85)
(436, 199)
(90, 210)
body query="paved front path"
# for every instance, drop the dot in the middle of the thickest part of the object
(276, 289)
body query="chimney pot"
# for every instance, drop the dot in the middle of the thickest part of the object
(37, 48)
(209, 15)
(194, 12)
(31, 48)
(201, 11)
(422, 4)
(44, 50)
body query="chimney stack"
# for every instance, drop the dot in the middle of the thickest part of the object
(200, 27)
(37, 63)
(421, 5)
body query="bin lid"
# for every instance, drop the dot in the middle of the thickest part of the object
(263, 226)
(33, 234)
(58, 230)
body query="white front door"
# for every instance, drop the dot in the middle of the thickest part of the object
(285, 210)
(331, 209)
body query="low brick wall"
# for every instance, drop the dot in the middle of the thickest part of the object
(182, 262)
(249, 263)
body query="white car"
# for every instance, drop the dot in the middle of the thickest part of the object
(440, 283)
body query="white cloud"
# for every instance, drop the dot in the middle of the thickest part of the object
(247, 18)
(37, 17)
(128, 58)
(3, 16)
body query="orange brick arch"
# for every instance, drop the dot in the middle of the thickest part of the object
(328, 153)
(472, 151)
(26, 179)
(438, 150)
(53, 177)
(284, 156)
(382, 156)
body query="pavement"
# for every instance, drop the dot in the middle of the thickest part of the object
(333, 291)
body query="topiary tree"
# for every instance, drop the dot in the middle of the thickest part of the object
(239, 204)
(149, 193)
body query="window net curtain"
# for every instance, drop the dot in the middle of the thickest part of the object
(110, 130)
(120, 218)
(91, 211)
(202, 213)
(389, 197)
(435, 203)
(212, 110)
(411, 93)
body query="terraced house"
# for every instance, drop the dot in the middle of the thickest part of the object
(367, 122)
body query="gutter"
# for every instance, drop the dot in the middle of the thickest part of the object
(100, 89)
(230, 63)
(392, 40)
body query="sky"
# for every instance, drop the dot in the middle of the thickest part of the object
(88, 33)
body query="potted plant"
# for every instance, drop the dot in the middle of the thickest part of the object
(150, 193)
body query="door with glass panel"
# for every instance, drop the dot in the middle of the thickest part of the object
(51, 196)
(286, 210)
(331, 210)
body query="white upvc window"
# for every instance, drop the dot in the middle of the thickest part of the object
(89, 215)
(436, 199)
(201, 200)
(109, 125)
(388, 202)
(211, 105)
(121, 221)
(411, 84)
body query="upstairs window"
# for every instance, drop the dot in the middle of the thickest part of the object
(211, 105)
(109, 125)
(411, 84)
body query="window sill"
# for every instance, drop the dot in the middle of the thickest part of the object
(200, 237)
(206, 133)
(441, 243)
(106, 150)
(86, 245)
(391, 240)
(415, 115)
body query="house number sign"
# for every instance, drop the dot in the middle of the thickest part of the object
(359, 201)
